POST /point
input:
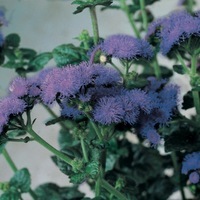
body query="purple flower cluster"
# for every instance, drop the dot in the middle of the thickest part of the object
(126, 47)
(147, 108)
(101, 88)
(191, 165)
(174, 29)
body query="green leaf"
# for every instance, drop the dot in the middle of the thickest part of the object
(92, 168)
(188, 101)
(66, 139)
(16, 133)
(11, 194)
(52, 191)
(39, 61)
(63, 166)
(21, 180)
(12, 40)
(28, 53)
(179, 69)
(67, 54)
(90, 3)
(10, 54)
(78, 178)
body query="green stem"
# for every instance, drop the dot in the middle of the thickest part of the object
(94, 127)
(116, 68)
(85, 155)
(48, 146)
(156, 67)
(180, 59)
(9, 160)
(112, 190)
(14, 168)
(177, 171)
(190, 4)
(55, 116)
(94, 24)
(195, 94)
(98, 187)
(128, 14)
(144, 14)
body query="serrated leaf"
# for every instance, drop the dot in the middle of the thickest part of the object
(39, 61)
(92, 168)
(11, 194)
(12, 40)
(52, 191)
(87, 4)
(179, 69)
(66, 54)
(77, 178)
(21, 180)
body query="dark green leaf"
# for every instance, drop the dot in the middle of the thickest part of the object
(78, 178)
(10, 54)
(11, 194)
(12, 65)
(179, 69)
(52, 191)
(149, 2)
(39, 61)
(188, 101)
(16, 133)
(63, 166)
(28, 53)
(92, 168)
(66, 139)
(21, 180)
(88, 3)
(12, 40)
(66, 54)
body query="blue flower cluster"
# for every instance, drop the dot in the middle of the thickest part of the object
(191, 166)
(126, 47)
(99, 87)
(174, 29)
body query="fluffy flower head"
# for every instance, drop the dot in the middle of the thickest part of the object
(126, 47)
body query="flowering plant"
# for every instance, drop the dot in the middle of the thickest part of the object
(118, 108)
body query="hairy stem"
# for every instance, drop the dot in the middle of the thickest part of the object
(59, 154)
(156, 67)
(85, 155)
(129, 15)
(144, 14)
(180, 59)
(112, 190)
(195, 94)
(177, 171)
(9, 160)
(94, 25)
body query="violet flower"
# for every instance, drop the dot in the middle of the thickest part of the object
(175, 29)
(192, 163)
(126, 47)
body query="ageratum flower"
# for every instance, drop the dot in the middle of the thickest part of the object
(194, 177)
(126, 47)
(148, 131)
(190, 165)
(175, 29)
(71, 80)
(19, 87)
(10, 105)
(108, 110)
(191, 162)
